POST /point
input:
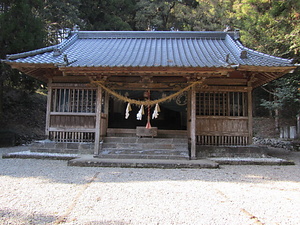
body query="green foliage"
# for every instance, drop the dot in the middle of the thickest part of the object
(21, 29)
(107, 15)
(283, 96)
(58, 16)
(164, 15)
(270, 26)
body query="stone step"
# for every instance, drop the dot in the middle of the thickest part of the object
(144, 151)
(143, 145)
(143, 154)
(143, 140)
(89, 161)
(144, 148)
(138, 156)
(115, 132)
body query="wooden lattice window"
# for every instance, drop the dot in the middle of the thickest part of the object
(221, 104)
(73, 100)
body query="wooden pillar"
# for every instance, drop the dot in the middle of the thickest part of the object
(193, 123)
(106, 103)
(48, 110)
(189, 115)
(98, 120)
(298, 126)
(250, 117)
(106, 112)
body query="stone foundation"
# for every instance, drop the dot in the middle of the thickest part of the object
(204, 151)
(65, 147)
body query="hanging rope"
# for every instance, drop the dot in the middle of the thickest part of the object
(145, 102)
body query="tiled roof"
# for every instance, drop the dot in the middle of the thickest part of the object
(149, 49)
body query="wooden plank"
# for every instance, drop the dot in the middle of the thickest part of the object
(59, 100)
(223, 117)
(54, 101)
(72, 85)
(81, 100)
(222, 133)
(92, 99)
(62, 129)
(71, 114)
(121, 131)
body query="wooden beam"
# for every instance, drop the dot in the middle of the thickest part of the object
(71, 114)
(226, 81)
(129, 71)
(68, 129)
(284, 69)
(73, 85)
(223, 89)
(71, 79)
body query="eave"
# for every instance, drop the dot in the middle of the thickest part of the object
(253, 76)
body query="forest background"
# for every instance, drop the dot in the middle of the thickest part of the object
(268, 26)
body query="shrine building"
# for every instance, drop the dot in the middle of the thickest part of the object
(150, 85)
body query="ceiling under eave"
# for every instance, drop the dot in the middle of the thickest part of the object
(133, 76)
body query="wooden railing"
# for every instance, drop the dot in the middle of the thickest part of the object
(71, 136)
(220, 130)
(221, 140)
(72, 116)
(222, 117)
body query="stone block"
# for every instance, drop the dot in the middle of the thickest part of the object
(73, 145)
(61, 145)
(86, 146)
(49, 144)
(143, 131)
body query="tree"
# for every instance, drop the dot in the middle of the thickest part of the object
(273, 27)
(283, 98)
(270, 26)
(164, 15)
(108, 15)
(21, 30)
(59, 17)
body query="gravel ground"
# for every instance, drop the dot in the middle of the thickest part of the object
(49, 192)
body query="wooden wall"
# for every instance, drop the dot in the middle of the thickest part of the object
(222, 117)
(71, 113)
